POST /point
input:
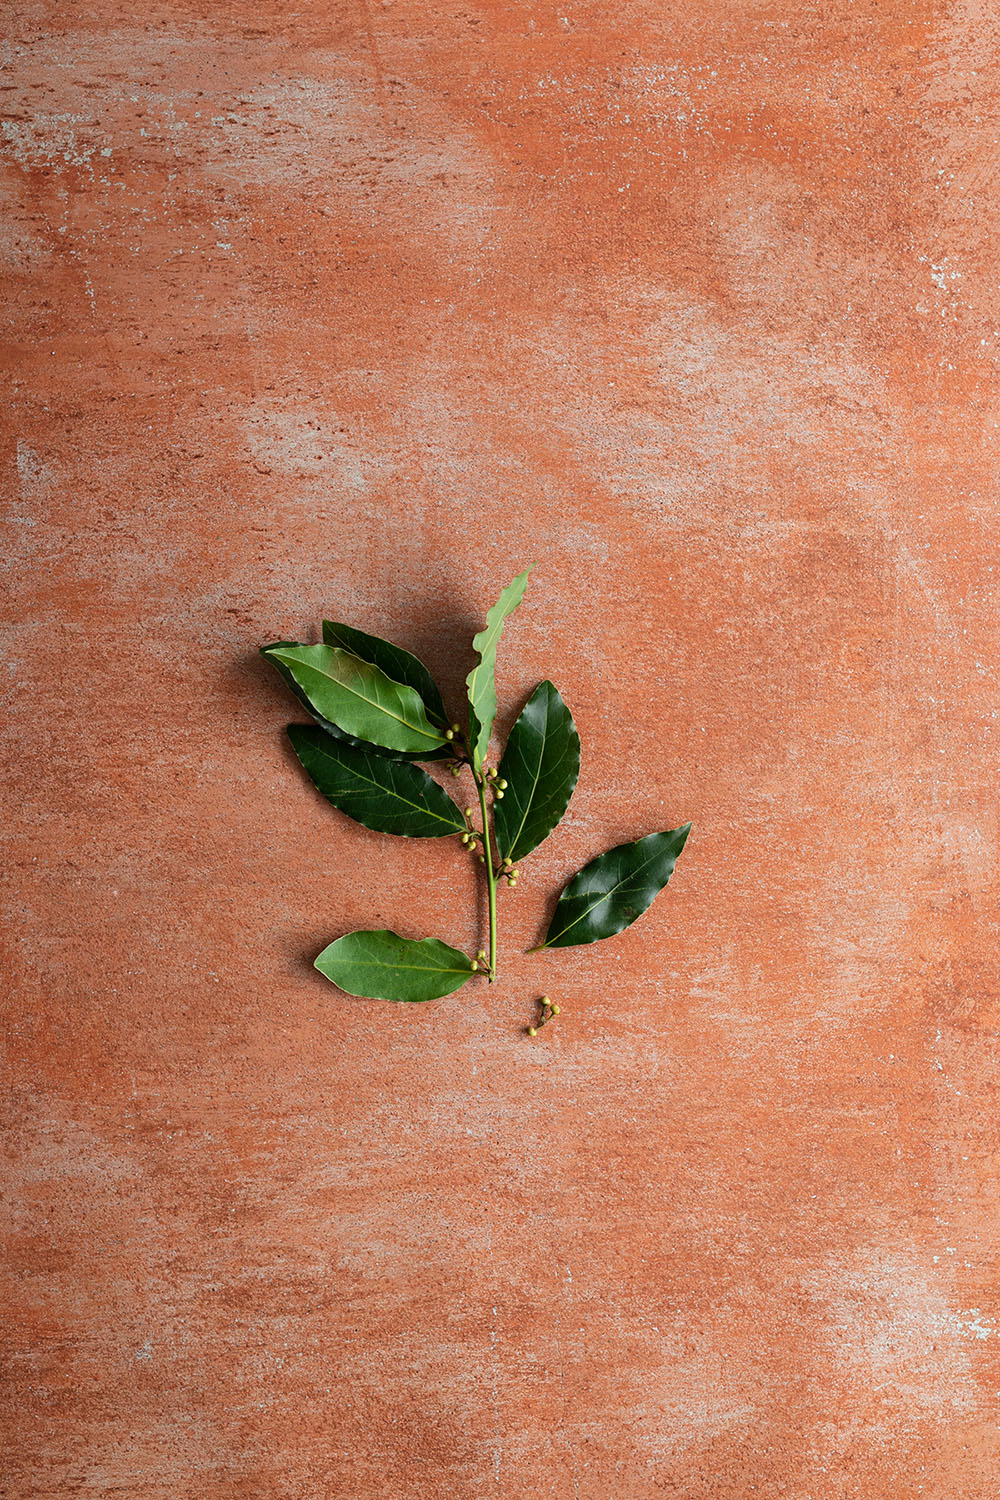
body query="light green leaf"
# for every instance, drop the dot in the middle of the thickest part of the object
(381, 965)
(284, 672)
(359, 698)
(609, 893)
(540, 766)
(401, 666)
(391, 796)
(482, 679)
(446, 752)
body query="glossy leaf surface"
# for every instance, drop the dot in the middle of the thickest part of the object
(445, 752)
(381, 965)
(540, 766)
(284, 672)
(401, 666)
(481, 680)
(391, 796)
(609, 893)
(359, 698)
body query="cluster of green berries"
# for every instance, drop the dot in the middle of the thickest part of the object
(499, 785)
(549, 1009)
(450, 734)
(470, 836)
(470, 839)
(478, 961)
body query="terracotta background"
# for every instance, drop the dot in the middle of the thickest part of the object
(356, 309)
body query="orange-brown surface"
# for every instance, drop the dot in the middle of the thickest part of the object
(358, 308)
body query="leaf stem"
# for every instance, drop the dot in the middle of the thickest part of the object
(491, 878)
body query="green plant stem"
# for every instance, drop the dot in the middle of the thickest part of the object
(491, 879)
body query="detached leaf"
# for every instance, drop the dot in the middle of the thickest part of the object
(540, 766)
(481, 680)
(401, 666)
(607, 895)
(391, 796)
(359, 698)
(381, 965)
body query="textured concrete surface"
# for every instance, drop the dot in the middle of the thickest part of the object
(357, 308)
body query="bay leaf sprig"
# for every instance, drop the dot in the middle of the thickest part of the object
(376, 711)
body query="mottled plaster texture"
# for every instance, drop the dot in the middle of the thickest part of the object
(357, 308)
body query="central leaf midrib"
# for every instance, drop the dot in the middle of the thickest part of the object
(355, 963)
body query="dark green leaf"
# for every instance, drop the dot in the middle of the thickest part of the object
(481, 680)
(540, 766)
(391, 796)
(401, 666)
(607, 895)
(382, 965)
(359, 698)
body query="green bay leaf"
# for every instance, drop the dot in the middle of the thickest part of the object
(381, 965)
(444, 752)
(610, 892)
(481, 681)
(359, 698)
(390, 796)
(540, 765)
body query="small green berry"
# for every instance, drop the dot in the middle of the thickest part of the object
(532, 1030)
(481, 953)
(449, 734)
(455, 728)
(474, 967)
(468, 812)
(502, 785)
(498, 795)
(466, 838)
(482, 859)
(555, 1010)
